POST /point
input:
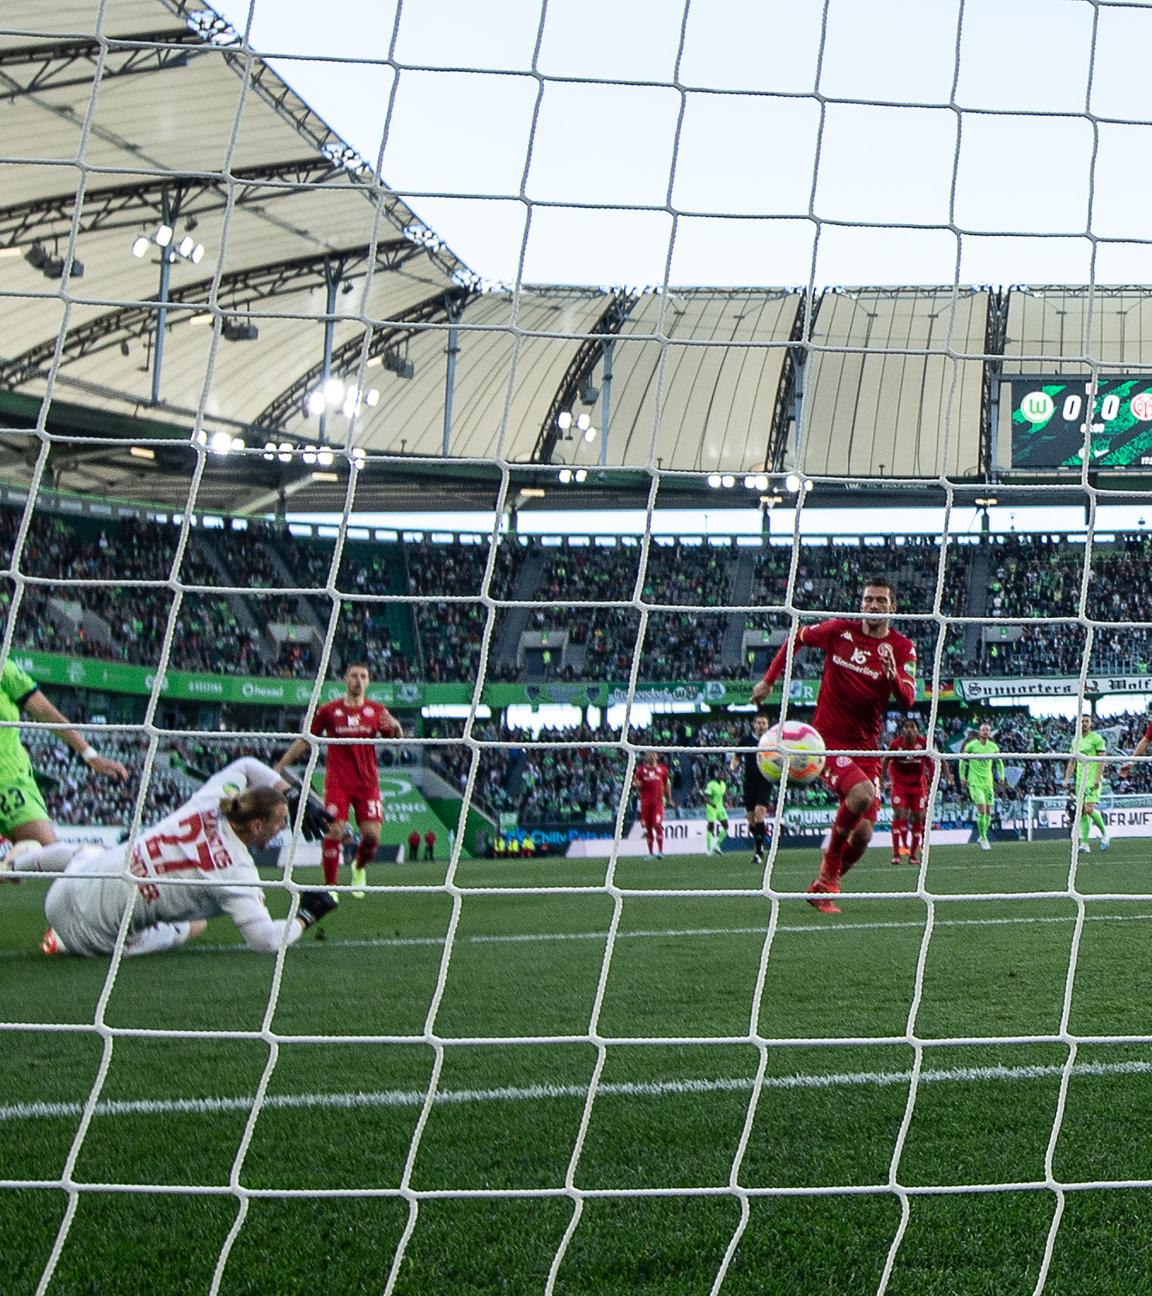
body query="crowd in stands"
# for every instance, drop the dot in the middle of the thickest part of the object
(993, 579)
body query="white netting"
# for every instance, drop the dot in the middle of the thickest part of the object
(798, 397)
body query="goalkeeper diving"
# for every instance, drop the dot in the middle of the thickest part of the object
(193, 865)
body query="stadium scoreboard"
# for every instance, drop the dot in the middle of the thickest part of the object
(1054, 419)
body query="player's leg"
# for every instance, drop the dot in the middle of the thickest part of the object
(757, 830)
(1093, 813)
(647, 822)
(982, 804)
(899, 827)
(332, 843)
(23, 814)
(658, 830)
(164, 937)
(721, 835)
(368, 817)
(29, 856)
(916, 822)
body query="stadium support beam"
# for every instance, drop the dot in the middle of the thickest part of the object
(124, 206)
(255, 283)
(995, 340)
(262, 81)
(588, 355)
(786, 413)
(348, 355)
(51, 65)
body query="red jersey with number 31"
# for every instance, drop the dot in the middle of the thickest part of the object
(855, 689)
(352, 768)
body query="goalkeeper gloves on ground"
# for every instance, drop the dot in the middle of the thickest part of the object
(316, 821)
(314, 905)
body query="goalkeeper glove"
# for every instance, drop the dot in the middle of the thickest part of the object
(316, 821)
(314, 905)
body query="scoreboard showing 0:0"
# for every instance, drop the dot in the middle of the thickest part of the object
(1052, 417)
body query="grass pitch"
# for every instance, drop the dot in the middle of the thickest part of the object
(315, 1194)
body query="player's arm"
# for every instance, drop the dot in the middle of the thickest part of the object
(265, 934)
(806, 636)
(900, 667)
(962, 767)
(667, 790)
(389, 726)
(1139, 750)
(296, 752)
(39, 708)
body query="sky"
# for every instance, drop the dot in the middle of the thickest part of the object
(744, 142)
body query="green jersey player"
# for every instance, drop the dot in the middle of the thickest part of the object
(1089, 778)
(23, 815)
(976, 776)
(716, 813)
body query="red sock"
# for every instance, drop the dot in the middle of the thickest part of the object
(365, 853)
(917, 839)
(660, 838)
(648, 838)
(330, 860)
(899, 835)
(852, 851)
(834, 862)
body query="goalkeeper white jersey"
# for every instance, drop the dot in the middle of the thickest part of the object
(190, 865)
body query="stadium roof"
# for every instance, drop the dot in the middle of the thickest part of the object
(312, 269)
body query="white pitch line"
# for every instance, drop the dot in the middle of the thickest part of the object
(536, 938)
(408, 1098)
(805, 929)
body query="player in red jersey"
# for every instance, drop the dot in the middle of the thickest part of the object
(867, 664)
(351, 780)
(906, 778)
(655, 788)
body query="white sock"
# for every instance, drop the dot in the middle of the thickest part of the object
(46, 859)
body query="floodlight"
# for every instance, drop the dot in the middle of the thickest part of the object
(761, 480)
(714, 480)
(727, 481)
(359, 456)
(187, 243)
(333, 390)
(792, 482)
(309, 456)
(324, 457)
(221, 442)
(565, 475)
(372, 397)
(197, 254)
(581, 474)
(590, 434)
(564, 420)
(238, 443)
(315, 402)
(583, 423)
(285, 453)
(351, 402)
(163, 235)
(269, 451)
(140, 246)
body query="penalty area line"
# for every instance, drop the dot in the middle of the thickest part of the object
(410, 1098)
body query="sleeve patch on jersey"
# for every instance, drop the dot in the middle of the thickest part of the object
(910, 666)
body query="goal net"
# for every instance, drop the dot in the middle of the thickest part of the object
(559, 370)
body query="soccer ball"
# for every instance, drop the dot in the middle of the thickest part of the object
(803, 755)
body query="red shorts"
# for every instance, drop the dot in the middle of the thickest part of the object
(365, 806)
(842, 773)
(651, 813)
(913, 796)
